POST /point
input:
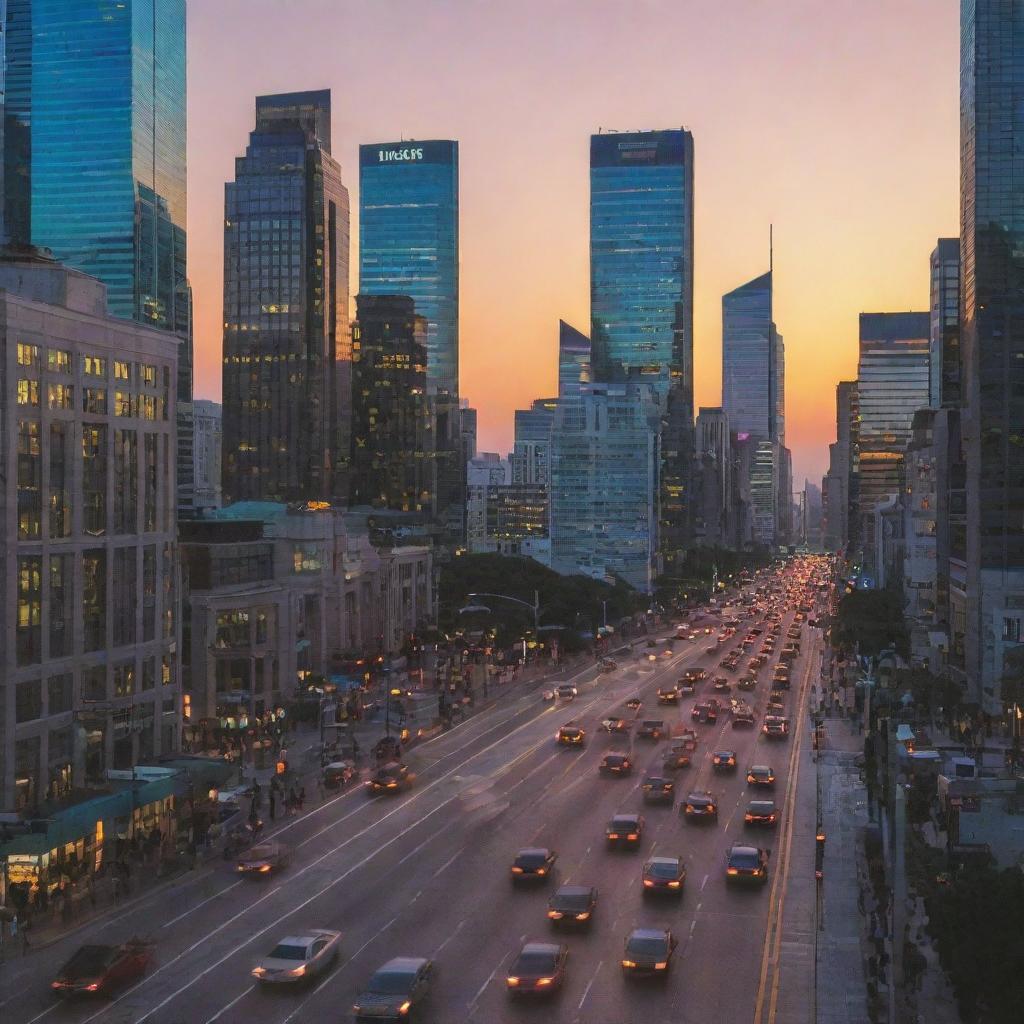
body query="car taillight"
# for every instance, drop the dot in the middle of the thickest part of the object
(648, 883)
(633, 835)
(663, 965)
(92, 987)
(405, 1007)
(748, 817)
(542, 871)
(689, 808)
(264, 868)
(629, 963)
(512, 982)
(732, 871)
(544, 981)
(613, 835)
(517, 871)
(674, 884)
(583, 916)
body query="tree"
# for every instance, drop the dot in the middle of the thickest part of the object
(872, 620)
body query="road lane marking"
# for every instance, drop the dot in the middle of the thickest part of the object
(586, 991)
(490, 978)
(224, 1009)
(416, 849)
(705, 882)
(459, 927)
(449, 862)
(209, 899)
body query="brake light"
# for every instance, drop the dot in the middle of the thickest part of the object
(92, 987)
(661, 966)
(613, 835)
(542, 871)
(748, 817)
(512, 982)
(405, 1007)
(544, 981)
(264, 868)
(633, 835)
(674, 884)
(732, 871)
(517, 871)
(648, 883)
(583, 916)
(629, 963)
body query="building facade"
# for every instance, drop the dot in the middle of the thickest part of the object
(485, 471)
(641, 294)
(208, 434)
(89, 603)
(391, 441)
(945, 371)
(991, 333)
(573, 360)
(287, 348)
(603, 491)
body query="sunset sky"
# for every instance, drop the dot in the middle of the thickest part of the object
(836, 121)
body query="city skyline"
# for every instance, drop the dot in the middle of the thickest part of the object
(524, 166)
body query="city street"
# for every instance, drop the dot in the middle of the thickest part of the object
(426, 873)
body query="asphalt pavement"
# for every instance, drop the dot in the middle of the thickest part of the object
(427, 873)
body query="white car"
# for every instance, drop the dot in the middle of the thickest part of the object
(566, 691)
(299, 957)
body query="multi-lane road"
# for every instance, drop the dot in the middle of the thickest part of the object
(426, 873)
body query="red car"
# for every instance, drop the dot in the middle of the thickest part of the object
(97, 970)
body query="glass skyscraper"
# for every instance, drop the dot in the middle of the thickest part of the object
(992, 333)
(287, 347)
(573, 360)
(944, 267)
(641, 292)
(94, 146)
(409, 241)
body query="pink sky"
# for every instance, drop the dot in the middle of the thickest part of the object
(837, 122)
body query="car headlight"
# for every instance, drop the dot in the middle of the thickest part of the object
(555, 915)
(674, 884)
(298, 972)
(258, 972)
(689, 808)
(542, 871)
(264, 868)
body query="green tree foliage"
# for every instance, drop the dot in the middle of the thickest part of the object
(570, 601)
(930, 692)
(976, 922)
(873, 619)
(693, 574)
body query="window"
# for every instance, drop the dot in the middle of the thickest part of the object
(149, 470)
(126, 481)
(60, 478)
(58, 360)
(232, 628)
(148, 592)
(122, 370)
(94, 400)
(125, 596)
(306, 558)
(125, 404)
(30, 500)
(60, 396)
(95, 366)
(148, 375)
(94, 599)
(28, 355)
(28, 391)
(28, 628)
(59, 693)
(28, 700)
(94, 684)
(61, 607)
(168, 580)
(148, 673)
(124, 679)
(148, 406)
(94, 479)
(1011, 630)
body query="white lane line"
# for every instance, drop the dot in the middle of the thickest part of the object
(416, 897)
(458, 929)
(40, 1016)
(416, 849)
(449, 862)
(705, 882)
(490, 978)
(586, 991)
(224, 1009)
(209, 899)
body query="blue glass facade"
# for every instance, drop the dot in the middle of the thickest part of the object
(409, 241)
(573, 360)
(287, 346)
(104, 95)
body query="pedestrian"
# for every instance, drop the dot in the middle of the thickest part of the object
(320, 791)
(272, 804)
(293, 802)
(302, 797)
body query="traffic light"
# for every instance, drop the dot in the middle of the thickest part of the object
(819, 855)
(281, 767)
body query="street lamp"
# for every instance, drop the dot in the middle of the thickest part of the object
(535, 607)
(393, 691)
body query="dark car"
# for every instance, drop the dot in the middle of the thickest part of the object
(668, 694)
(664, 875)
(721, 685)
(539, 969)
(704, 712)
(700, 806)
(724, 760)
(572, 905)
(648, 952)
(760, 775)
(747, 683)
(746, 864)
(533, 863)
(696, 675)
(571, 735)
(263, 859)
(687, 688)
(624, 830)
(743, 717)
(658, 790)
(615, 764)
(396, 991)
(634, 703)
(780, 678)
(675, 760)
(775, 727)
(651, 730)
(761, 812)
(98, 970)
(389, 778)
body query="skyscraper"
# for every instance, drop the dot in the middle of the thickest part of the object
(992, 333)
(391, 465)
(945, 373)
(287, 349)
(641, 292)
(573, 360)
(892, 384)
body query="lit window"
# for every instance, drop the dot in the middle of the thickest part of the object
(95, 366)
(58, 360)
(28, 355)
(28, 392)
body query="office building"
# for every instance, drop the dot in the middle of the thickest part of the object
(89, 599)
(991, 329)
(892, 384)
(486, 470)
(919, 507)
(603, 490)
(391, 443)
(944, 266)
(641, 294)
(573, 360)
(713, 480)
(839, 494)
(208, 437)
(532, 444)
(287, 348)
(468, 430)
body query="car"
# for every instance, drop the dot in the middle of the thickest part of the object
(789, 653)
(658, 790)
(263, 859)
(761, 812)
(634, 703)
(780, 677)
(687, 688)
(721, 685)
(615, 764)
(693, 637)
(571, 735)
(724, 760)
(652, 729)
(533, 864)
(668, 694)
(616, 726)
(746, 864)
(696, 675)
(747, 683)
(298, 958)
(705, 712)
(624, 830)
(664, 875)
(760, 775)
(648, 952)
(566, 691)
(777, 697)
(775, 727)
(538, 969)
(96, 970)
(396, 990)
(743, 717)
(757, 662)
(572, 905)
(676, 759)
(700, 806)
(389, 778)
